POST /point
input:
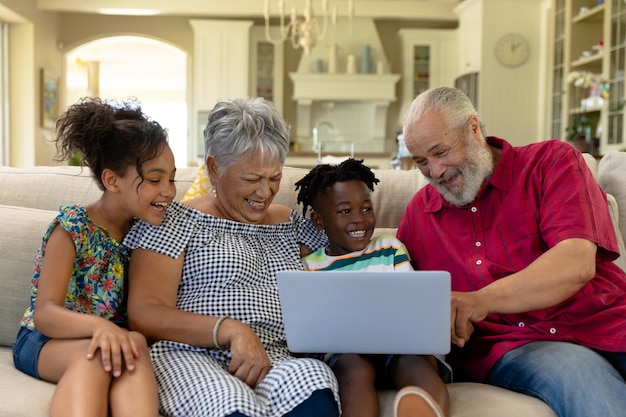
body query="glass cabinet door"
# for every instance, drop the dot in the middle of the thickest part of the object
(266, 66)
(558, 65)
(265, 70)
(614, 139)
(421, 69)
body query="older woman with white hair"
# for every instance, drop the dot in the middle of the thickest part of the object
(203, 284)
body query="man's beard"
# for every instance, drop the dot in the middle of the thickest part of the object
(475, 171)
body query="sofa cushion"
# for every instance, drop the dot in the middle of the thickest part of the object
(200, 185)
(20, 235)
(592, 163)
(49, 187)
(22, 395)
(469, 399)
(611, 173)
(388, 212)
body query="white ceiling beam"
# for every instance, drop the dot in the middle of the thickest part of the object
(393, 9)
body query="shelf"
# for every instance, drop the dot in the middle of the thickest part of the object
(585, 110)
(594, 14)
(588, 60)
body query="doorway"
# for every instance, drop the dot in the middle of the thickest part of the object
(153, 72)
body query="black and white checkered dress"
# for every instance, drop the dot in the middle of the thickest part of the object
(229, 270)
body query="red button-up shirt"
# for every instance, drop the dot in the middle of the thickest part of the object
(538, 195)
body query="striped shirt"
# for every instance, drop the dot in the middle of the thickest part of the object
(384, 253)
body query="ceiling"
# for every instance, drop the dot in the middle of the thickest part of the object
(395, 9)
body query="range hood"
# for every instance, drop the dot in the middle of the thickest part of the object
(346, 87)
(354, 104)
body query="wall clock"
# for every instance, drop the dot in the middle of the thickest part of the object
(512, 50)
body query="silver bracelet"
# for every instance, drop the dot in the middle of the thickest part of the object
(216, 328)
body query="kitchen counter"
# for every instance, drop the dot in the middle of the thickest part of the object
(374, 160)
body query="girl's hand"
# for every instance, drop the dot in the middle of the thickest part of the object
(116, 347)
(249, 362)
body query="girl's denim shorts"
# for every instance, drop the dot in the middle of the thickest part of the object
(26, 350)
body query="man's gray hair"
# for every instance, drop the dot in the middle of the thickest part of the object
(241, 127)
(452, 103)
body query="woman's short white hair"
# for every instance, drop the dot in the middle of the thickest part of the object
(241, 127)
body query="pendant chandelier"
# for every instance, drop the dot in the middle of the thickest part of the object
(306, 30)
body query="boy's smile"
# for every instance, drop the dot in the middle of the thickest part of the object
(344, 210)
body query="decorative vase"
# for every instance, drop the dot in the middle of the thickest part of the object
(350, 65)
(332, 59)
(366, 60)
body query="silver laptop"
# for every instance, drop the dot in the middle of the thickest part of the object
(366, 312)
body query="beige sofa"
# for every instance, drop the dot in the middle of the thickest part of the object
(29, 198)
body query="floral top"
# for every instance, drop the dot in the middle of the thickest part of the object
(97, 285)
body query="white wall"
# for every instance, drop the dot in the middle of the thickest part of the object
(509, 97)
(32, 46)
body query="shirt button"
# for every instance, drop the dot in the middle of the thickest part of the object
(478, 244)
(521, 324)
(474, 209)
(478, 262)
(552, 330)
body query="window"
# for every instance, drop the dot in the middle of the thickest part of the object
(4, 93)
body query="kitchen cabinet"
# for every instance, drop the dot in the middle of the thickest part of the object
(308, 160)
(470, 36)
(220, 70)
(429, 60)
(588, 37)
(267, 69)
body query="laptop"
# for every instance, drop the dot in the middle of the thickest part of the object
(366, 312)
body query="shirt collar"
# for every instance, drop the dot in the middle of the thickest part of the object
(501, 178)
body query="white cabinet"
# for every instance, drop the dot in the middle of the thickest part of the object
(221, 60)
(470, 34)
(220, 68)
(429, 60)
(267, 69)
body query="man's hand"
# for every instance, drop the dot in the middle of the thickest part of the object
(466, 308)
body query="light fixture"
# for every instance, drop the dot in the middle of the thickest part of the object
(304, 32)
(129, 12)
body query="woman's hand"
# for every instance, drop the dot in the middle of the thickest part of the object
(249, 362)
(116, 348)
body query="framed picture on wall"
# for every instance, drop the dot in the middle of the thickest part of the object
(49, 99)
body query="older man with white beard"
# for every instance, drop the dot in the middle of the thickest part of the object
(538, 306)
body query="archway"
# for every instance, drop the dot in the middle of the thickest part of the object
(153, 72)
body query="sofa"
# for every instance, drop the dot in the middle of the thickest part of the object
(30, 197)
